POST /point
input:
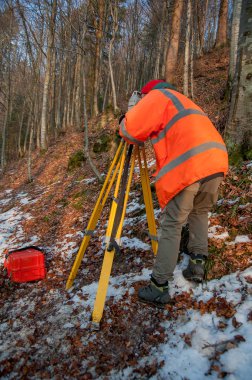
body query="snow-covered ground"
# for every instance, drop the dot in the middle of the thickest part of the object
(197, 345)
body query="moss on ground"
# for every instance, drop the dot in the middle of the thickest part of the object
(76, 160)
(103, 144)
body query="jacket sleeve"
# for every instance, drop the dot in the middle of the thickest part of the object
(144, 119)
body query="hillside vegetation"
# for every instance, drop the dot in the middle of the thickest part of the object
(45, 330)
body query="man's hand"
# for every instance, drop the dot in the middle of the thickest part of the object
(134, 99)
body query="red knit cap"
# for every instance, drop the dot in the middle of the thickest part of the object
(149, 86)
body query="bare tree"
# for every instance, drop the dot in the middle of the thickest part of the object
(221, 38)
(86, 144)
(187, 49)
(114, 15)
(237, 4)
(50, 42)
(159, 41)
(192, 56)
(99, 34)
(172, 54)
(238, 129)
(201, 15)
(8, 99)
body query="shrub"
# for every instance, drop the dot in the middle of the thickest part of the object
(76, 160)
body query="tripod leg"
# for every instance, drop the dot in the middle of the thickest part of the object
(148, 199)
(127, 194)
(109, 255)
(96, 214)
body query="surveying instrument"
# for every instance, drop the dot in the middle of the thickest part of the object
(122, 167)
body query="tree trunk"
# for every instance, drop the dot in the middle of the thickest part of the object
(239, 123)
(201, 22)
(187, 49)
(192, 56)
(29, 159)
(166, 38)
(237, 4)
(3, 158)
(29, 122)
(221, 38)
(105, 95)
(114, 14)
(99, 35)
(53, 93)
(77, 92)
(7, 115)
(50, 40)
(159, 43)
(59, 104)
(172, 54)
(20, 152)
(86, 143)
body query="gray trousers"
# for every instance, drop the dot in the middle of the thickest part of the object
(192, 205)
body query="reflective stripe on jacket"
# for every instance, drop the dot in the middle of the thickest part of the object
(187, 145)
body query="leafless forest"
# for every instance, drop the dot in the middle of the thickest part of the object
(67, 71)
(62, 59)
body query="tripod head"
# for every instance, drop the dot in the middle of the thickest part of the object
(134, 99)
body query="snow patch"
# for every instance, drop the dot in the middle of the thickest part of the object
(133, 206)
(134, 243)
(4, 202)
(242, 239)
(213, 232)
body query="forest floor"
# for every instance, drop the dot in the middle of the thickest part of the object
(45, 330)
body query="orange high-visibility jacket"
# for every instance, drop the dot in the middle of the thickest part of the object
(187, 145)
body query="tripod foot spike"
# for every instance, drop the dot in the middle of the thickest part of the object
(69, 284)
(95, 326)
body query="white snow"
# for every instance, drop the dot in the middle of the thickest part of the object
(5, 201)
(192, 362)
(242, 239)
(134, 243)
(133, 206)
(181, 361)
(10, 229)
(233, 201)
(213, 232)
(249, 165)
(228, 201)
(244, 206)
(89, 180)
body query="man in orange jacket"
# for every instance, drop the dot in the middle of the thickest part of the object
(191, 160)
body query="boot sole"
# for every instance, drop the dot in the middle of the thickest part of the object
(156, 304)
(195, 279)
(150, 303)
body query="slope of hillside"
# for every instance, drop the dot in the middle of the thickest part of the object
(45, 330)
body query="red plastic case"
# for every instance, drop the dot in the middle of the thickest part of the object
(25, 264)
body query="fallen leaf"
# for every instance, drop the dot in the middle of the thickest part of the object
(235, 323)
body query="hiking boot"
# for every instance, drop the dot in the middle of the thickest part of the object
(196, 268)
(155, 293)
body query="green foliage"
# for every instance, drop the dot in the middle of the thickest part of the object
(78, 205)
(76, 160)
(103, 144)
(242, 152)
(50, 217)
(80, 194)
(246, 146)
(234, 154)
(79, 198)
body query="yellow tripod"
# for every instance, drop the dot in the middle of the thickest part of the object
(122, 167)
